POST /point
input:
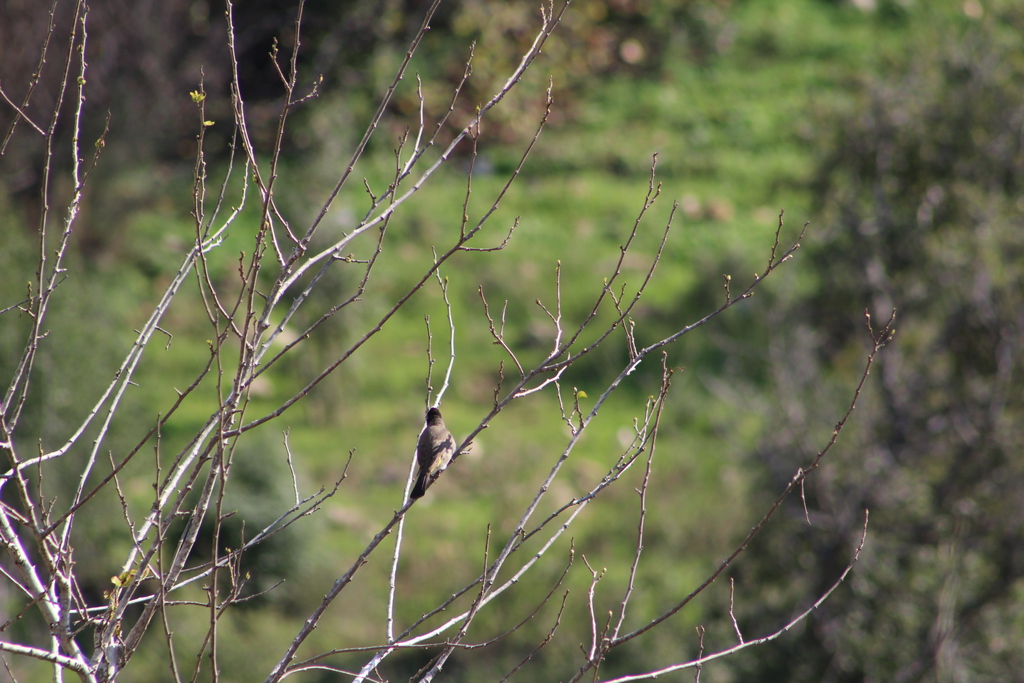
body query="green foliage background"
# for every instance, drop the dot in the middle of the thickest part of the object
(895, 131)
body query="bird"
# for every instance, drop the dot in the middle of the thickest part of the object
(433, 452)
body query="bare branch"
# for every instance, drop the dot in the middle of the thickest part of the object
(703, 659)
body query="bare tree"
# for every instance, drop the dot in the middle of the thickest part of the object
(248, 320)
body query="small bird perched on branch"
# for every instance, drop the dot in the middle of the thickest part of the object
(433, 453)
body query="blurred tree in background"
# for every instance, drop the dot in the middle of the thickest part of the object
(921, 194)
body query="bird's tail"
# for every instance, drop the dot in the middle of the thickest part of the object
(421, 484)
